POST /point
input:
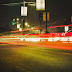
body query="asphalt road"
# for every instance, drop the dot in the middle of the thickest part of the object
(18, 58)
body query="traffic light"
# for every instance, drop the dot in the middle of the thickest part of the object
(12, 23)
(44, 16)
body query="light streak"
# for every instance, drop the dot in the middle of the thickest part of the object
(50, 39)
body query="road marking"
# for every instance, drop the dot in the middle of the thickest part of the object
(67, 53)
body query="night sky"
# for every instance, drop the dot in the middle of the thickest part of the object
(58, 8)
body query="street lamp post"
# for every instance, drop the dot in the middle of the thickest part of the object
(40, 20)
(40, 6)
(24, 10)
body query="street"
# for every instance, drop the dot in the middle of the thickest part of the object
(23, 58)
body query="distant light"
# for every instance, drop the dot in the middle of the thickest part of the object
(37, 30)
(20, 29)
(64, 38)
(21, 39)
(17, 19)
(32, 39)
(26, 24)
(50, 39)
(70, 38)
(18, 25)
(31, 28)
(13, 19)
(12, 23)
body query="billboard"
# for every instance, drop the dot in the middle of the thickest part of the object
(23, 11)
(40, 4)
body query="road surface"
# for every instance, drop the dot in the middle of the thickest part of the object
(21, 58)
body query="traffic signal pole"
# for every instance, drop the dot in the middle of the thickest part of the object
(40, 20)
(23, 16)
(23, 22)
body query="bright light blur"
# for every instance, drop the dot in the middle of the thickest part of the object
(40, 4)
(31, 28)
(26, 24)
(32, 39)
(20, 29)
(70, 38)
(21, 39)
(51, 37)
(17, 19)
(13, 19)
(18, 25)
(66, 28)
(64, 38)
(23, 11)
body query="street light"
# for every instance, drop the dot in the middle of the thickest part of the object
(13, 19)
(26, 24)
(17, 19)
(40, 5)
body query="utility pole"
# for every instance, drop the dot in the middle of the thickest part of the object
(23, 22)
(40, 19)
(23, 16)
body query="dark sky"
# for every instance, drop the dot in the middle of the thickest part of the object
(58, 8)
